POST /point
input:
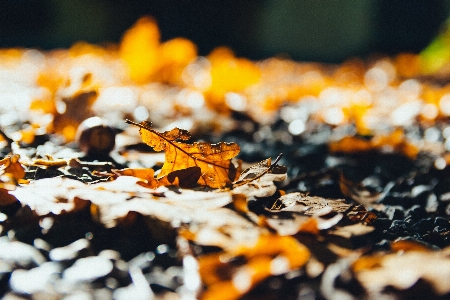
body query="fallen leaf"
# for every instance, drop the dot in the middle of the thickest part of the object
(318, 206)
(309, 205)
(258, 180)
(214, 160)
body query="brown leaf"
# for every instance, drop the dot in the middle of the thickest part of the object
(309, 205)
(318, 206)
(258, 180)
(214, 160)
(349, 231)
(260, 169)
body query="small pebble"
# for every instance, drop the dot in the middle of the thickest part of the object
(71, 251)
(34, 280)
(88, 269)
(20, 254)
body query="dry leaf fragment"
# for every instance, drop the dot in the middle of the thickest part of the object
(214, 160)
(260, 169)
(309, 205)
(258, 180)
(318, 206)
(11, 166)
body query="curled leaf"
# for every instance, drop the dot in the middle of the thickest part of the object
(258, 180)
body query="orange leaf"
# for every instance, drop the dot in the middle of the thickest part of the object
(214, 160)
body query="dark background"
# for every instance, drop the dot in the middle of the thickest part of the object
(323, 30)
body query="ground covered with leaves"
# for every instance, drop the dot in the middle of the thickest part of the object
(144, 171)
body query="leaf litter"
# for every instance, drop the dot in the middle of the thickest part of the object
(363, 202)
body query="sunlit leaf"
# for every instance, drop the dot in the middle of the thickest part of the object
(214, 160)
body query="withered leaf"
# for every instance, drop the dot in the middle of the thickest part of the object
(309, 205)
(349, 231)
(260, 169)
(395, 141)
(214, 160)
(318, 206)
(258, 180)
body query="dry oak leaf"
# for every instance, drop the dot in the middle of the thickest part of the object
(214, 160)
